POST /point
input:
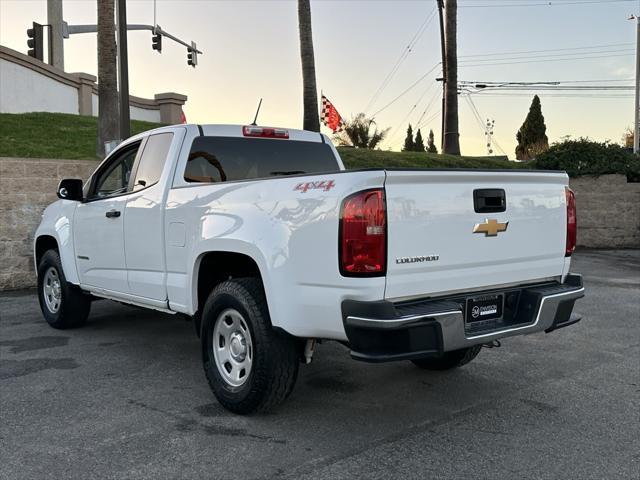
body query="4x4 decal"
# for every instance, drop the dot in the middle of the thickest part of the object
(324, 185)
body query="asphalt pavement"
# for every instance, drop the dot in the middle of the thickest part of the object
(126, 397)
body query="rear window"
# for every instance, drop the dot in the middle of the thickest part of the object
(225, 159)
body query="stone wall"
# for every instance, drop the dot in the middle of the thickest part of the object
(27, 186)
(608, 211)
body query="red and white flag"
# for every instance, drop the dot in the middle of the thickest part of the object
(330, 116)
(183, 117)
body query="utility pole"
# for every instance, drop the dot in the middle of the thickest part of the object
(56, 39)
(451, 134)
(444, 69)
(636, 128)
(123, 71)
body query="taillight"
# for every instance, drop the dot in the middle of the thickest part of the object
(268, 132)
(572, 226)
(363, 234)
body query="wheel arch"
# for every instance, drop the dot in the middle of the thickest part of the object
(214, 267)
(41, 245)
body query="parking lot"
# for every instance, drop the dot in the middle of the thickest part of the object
(126, 397)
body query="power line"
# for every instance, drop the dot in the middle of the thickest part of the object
(556, 3)
(545, 60)
(478, 117)
(407, 90)
(403, 56)
(430, 119)
(523, 52)
(398, 127)
(548, 55)
(559, 95)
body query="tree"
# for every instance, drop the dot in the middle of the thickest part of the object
(361, 132)
(532, 137)
(451, 134)
(419, 143)
(627, 138)
(408, 142)
(311, 121)
(108, 114)
(431, 146)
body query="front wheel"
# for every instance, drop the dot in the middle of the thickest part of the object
(250, 366)
(63, 305)
(449, 360)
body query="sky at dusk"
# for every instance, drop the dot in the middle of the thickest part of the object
(251, 50)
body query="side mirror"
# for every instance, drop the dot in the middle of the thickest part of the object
(70, 189)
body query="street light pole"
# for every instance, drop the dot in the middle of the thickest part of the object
(444, 70)
(636, 130)
(123, 71)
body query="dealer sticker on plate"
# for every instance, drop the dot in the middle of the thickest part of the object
(486, 307)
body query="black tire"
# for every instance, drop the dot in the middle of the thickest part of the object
(274, 354)
(74, 305)
(449, 360)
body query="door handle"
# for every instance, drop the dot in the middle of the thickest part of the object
(112, 214)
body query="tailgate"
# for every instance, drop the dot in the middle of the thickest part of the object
(432, 247)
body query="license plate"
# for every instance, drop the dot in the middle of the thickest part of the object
(487, 307)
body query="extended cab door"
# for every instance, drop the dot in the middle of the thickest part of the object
(99, 224)
(144, 219)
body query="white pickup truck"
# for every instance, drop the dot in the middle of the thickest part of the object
(261, 236)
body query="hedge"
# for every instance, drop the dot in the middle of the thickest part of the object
(586, 157)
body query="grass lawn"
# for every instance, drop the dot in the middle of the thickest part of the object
(358, 158)
(64, 136)
(53, 135)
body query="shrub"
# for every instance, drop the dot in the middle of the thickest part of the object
(586, 157)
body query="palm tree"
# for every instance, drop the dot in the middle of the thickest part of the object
(361, 132)
(108, 118)
(451, 133)
(311, 121)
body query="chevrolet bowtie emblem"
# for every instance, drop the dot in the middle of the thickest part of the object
(490, 228)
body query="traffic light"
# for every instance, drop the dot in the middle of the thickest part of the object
(192, 56)
(156, 42)
(35, 41)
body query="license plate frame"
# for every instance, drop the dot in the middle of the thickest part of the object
(484, 307)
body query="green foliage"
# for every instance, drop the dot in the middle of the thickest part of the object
(408, 141)
(532, 136)
(431, 144)
(356, 158)
(586, 157)
(361, 132)
(418, 145)
(53, 135)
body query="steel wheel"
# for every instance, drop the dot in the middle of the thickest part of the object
(52, 290)
(232, 347)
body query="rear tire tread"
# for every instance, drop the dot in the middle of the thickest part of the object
(273, 378)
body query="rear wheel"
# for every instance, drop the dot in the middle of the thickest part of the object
(63, 305)
(250, 366)
(449, 360)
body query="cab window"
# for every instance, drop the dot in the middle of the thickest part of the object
(152, 160)
(113, 178)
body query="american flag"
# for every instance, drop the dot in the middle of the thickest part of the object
(330, 116)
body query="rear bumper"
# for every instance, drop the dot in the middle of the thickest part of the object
(384, 331)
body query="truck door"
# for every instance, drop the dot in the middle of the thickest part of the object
(98, 227)
(143, 223)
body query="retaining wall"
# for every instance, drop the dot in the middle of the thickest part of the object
(608, 211)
